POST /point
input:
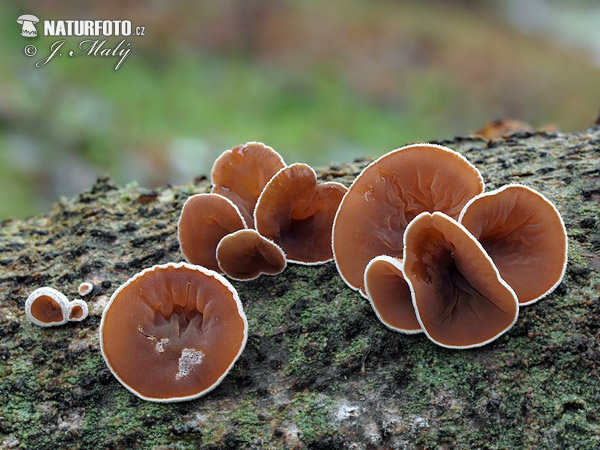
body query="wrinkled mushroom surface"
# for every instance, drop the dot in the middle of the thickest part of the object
(525, 236)
(240, 174)
(172, 332)
(390, 295)
(297, 213)
(459, 297)
(245, 255)
(205, 219)
(388, 194)
(47, 307)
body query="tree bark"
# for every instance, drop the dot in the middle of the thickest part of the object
(319, 370)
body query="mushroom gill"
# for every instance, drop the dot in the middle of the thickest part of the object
(523, 233)
(172, 332)
(388, 194)
(297, 213)
(245, 255)
(240, 174)
(390, 295)
(459, 297)
(205, 220)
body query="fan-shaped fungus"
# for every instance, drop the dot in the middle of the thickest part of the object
(172, 332)
(523, 233)
(78, 310)
(47, 307)
(388, 194)
(205, 220)
(240, 174)
(245, 255)
(459, 297)
(297, 213)
(390, 295)
(85, 288)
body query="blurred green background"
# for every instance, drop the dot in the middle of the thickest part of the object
(320, 82)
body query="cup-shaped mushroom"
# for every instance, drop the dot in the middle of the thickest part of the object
(459, 297)
(242, 173)
(78, 310)
(525, 236)
(172, 332)
(47, 307)
(85, 288)
(390, 295)
(246, 255)
(297, 213)
(205, 220)
(388, 194)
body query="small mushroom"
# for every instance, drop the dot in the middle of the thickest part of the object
(297, 213)
(172, 332)
(245, 255)
(525, 236)
(390, 295)
(205, 220)
(47, 307)
(240, 174)
(28, 22)
(78, 310)
(458, 295)
(388, 194)
(85, 288)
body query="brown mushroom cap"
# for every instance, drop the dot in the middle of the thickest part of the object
(172, 332)
(388, 194)
(85, 288)
(245, 255)
(459, 297)
(523, 233)
(242, 173)
(205, 220)
(390, 295)
(297, 213)
(47, 307)
(78, 310)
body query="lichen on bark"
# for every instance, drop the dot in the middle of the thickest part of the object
(319, 370)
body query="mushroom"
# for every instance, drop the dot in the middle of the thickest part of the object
(28, 21)
(525, 236)
(205, 220)
(240, 174)
(85, 288)
(47, 307)
(172, 332)
(78, 310)
(245, 255)
(297, 213)
(390, 295)
(388, 194)
(458, 295)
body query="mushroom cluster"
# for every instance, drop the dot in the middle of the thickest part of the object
(418, 236)
(48, 307)
(260, 215)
